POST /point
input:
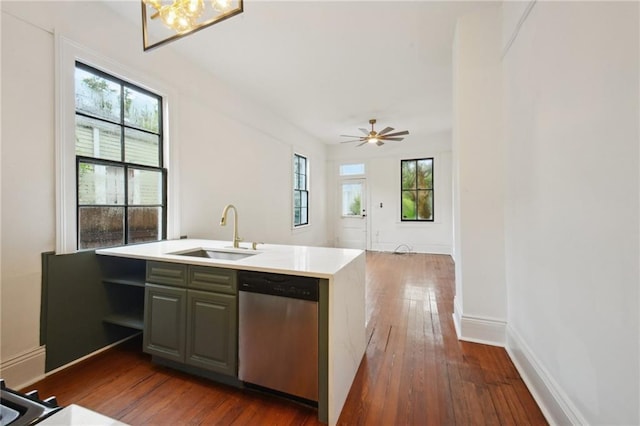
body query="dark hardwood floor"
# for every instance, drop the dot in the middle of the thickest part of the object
(415, 371)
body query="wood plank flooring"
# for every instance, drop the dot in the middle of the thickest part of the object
(415, 371)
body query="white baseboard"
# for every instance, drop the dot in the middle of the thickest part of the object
(554, 403)
(413, 248)
(24, 369)
(487, 331)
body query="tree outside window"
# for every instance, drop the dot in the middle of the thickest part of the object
(417, 189)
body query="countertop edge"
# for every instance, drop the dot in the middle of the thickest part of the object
(134, 252)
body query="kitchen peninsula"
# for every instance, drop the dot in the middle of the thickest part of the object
(341, 310)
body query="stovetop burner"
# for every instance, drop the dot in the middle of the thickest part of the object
(19, 409)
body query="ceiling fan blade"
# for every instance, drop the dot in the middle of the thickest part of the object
(363, 143)
(404, 132)
(384, 138)
(385, 131)
(363, 130)
(379, 143)
(352, 136)
(354, 140)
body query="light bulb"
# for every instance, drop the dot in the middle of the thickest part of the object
(193, 8)
(373, 140)
(168, 15)
(221, 5)
(174, 17)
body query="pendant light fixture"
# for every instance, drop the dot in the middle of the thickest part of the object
(164, 21)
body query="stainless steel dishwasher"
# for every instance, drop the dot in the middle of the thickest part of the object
(278, 341)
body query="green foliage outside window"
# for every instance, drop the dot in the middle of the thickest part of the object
(417, 189)
(354, 207)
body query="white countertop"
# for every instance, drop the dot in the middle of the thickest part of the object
(75, 415)
(320, 262)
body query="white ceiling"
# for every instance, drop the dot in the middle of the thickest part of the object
(330, 66)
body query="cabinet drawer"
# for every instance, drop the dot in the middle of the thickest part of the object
(219, 280)
(167, 273)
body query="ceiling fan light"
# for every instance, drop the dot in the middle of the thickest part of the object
(373, 140)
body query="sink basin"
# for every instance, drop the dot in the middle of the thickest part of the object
(216, 254)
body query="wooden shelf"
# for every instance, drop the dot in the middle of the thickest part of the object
(131, 320)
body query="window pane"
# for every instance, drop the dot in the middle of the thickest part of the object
(408, 174)
(145, 187)
(425, 174)
(425, 205)
(351, 169)
(304, 199)
(100, 184)
(143, 224)
(97, 139)
(303, 216)
(302, 182)
(100, 227)
(408, 205)
(141, 110)
(296, 216)
(96, 95)
(296, 199)
(141, 148)
(351, 199)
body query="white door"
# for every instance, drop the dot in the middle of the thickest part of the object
(352, 227)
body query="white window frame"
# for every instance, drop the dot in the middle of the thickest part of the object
(67, 53)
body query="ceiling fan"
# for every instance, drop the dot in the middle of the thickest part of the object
(376, 137)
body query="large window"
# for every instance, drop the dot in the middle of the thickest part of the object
(417, 189)
(121, 182)
(300, 190)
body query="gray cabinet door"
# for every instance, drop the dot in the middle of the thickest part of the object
(212, 331)
(164, 325)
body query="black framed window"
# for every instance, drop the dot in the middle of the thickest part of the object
(300, 190)
(121, 182)
(417, 189)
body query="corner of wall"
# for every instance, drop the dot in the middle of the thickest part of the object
(488, 331)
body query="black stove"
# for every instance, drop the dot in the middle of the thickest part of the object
(22, 409)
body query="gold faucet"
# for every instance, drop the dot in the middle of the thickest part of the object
(223, 222)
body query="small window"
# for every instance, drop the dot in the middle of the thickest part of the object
(121, 183)
(352, 199)
(351, 169)
(300, 190)
(417, 189)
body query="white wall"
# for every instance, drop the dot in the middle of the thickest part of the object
(27, 192)
(386, 230)
(231, 150)
(480, 307)
(572, 252)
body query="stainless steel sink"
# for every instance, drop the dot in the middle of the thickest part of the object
(216, 254)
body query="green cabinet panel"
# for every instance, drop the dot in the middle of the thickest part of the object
(219, 280)
(212, 331)
(165, 318)
(191, 316)
(167, 273)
